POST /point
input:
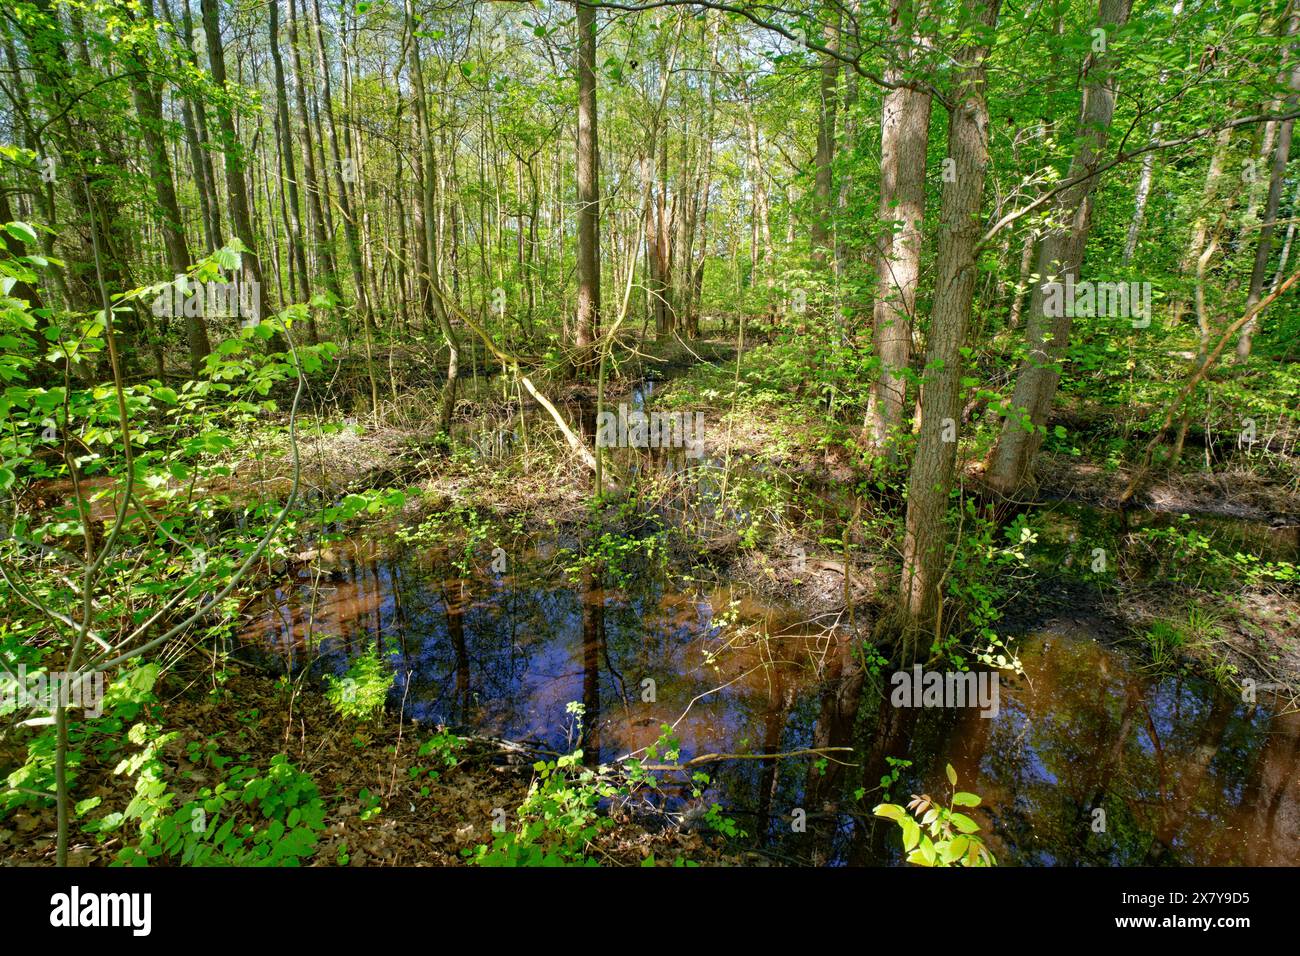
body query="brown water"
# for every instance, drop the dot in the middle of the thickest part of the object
(1184, 772)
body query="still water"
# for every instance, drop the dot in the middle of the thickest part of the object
(1092, 758)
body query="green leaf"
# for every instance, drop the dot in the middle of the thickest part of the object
(964, 823)
(927, 851)
(890, 811)
(911, 833)
(20, 230)
(956, 848)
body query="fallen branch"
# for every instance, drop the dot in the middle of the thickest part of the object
(578, 446)
(711, 758)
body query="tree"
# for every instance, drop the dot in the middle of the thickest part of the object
(1059, 259)
(588, 174)
(904, 139)
(925, 546)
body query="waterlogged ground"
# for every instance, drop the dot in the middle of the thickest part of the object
(1182, 772)
(1092, 758)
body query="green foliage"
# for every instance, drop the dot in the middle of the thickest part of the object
(986, 562)
(101, 738)
(1165, 642)
(873, 661)
(1180, 554)
(616, 555)
(938, 835)
(716, 820)
(362, 692)
(1170, 639)
(560, 817)
(464, 530)
(196, 525)
(442, 747)
(557, 820)
(896, 767)
(247, 819)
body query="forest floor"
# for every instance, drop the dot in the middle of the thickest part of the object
(432, 814)
(773, 442)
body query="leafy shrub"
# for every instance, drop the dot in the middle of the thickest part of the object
(557, 820)
(248, 819)
(361, 693)
(125, 698)
(937, 835)
(442, 747)
(981, 579)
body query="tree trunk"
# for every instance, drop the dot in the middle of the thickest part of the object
(148, 108)
(236, 186)
(1210, 201)
(297, 250)
(429, 214)
(315, 205)
(926, 541)
(588, 172)
(1281, 154)
(904, 137)
(1060, 256)
(194, 121)
(341, 184)
(827, 107)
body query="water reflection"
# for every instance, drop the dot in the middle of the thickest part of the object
(1185, 774)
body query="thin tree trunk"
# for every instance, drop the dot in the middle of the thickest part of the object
(315, 204)
(588, 172)
(200, 161)
(1281, 155)
(827, 106)
(149, 109)
(297, 250)
(1210, 203)
(1060, 256)
(350, 233)
(429, 215)
(236, 185)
